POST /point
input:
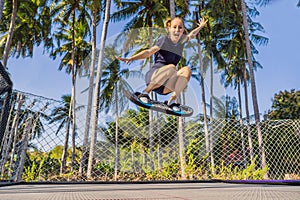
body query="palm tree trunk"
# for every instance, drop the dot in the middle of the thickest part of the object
(65, 150)
(241, 120)
(14, 130)
(151, 137)
(117, 137)
(10, 33)
(73, 102)
(211, 114)
(151, 115)
(90, 96)
(204, 113)
(22, 156)
(97, 90)
(66, 144)
(172, 8)
(207, 145)
(248, 115)
(159, 149)
(73, 118)
(181, 140)
(253, 87)
(211, 89)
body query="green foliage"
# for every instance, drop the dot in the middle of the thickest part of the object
(170, 171)
(33, 172)
(41, 165)
(286, 105)
(230, 172)
(56, 152)
(50, 167)
(124, 138)
(104, 167)
(32, 28)
(195, 167)
(196, 151)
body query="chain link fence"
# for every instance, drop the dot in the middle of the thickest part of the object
(5, 93)
(42, 143)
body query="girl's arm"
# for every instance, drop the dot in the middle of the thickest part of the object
(194, 32)
(141, 55)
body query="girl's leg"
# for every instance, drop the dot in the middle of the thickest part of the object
(178, 83)
(160, 76)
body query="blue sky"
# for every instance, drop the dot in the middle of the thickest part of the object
(280, 60)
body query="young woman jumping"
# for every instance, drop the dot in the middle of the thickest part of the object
(163, 78)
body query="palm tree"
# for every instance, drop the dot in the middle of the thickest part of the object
(72, 32)
(97, 89)
(253, 85)
(181, 123)
(95, 7)
(82, 51)
(202, 71)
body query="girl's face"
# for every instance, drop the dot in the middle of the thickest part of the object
(176, 30)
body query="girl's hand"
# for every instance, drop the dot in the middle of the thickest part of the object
(202, 23)
(126, 60)
(193, 33)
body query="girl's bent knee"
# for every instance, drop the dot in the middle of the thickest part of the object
(171, 69)
(171, 65)
(186, 72)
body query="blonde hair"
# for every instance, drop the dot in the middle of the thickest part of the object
(169, 20)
